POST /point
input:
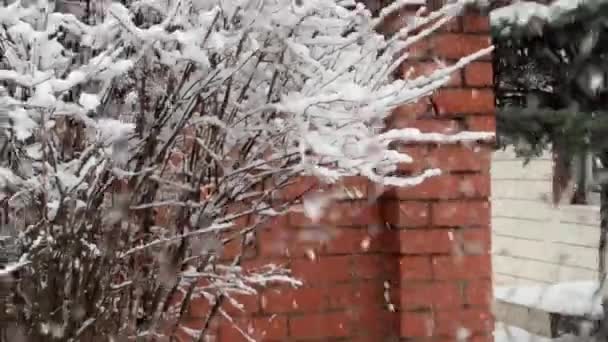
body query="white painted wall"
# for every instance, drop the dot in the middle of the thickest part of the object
(535, 242)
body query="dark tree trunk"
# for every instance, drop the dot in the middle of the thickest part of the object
(561, 173)
(603, 232)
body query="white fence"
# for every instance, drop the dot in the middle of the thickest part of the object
(535, 242)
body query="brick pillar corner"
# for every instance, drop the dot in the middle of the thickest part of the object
(443, 225)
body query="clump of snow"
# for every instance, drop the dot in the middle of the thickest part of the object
(315, 204)
(88, 101)
(8, 178)
(462, 334)
(568, 298)
(111, 130)
(519, 13)
(23, 125)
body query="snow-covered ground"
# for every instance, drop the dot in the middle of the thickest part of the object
(570, 298)
(577, 298)
(504, 333)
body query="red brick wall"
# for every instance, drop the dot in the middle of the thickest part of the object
(413, 265)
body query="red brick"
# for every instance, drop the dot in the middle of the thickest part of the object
(481, 123)
(258, 264)
(444, 186)
(416, 324)
(275, 239)
(292, 241)
(420, 49)
(374, 324)
(355, 240)
(279, 247)
(475, 185)
(277, 221)
(282, 300)
(454, 25)
(374, 266)
(462, 267)
(162, 215)
(239, 212)
(177, 297)
(298, 218)
(324, 270)
(479, 74)
(189, 138)
(231, 249)
(360, 294)
(335, 324)
(353, 187)
(461, 213)
(408, 112)
(258, 328)
(249, 305)
(415, 268)
(426, 241)
(341, 213)
(464, 101)
(418, 154)
(460, 158)
(475, 320)
(198, 324)
(476, 23)
(297, 188)
(270, 328)
(447, 158)
(395, 21)
(183, 332)
(119, 186)
(439, 125)
(406, 214)
(456, 46)
(199, 307)
(182, 335)
(353, 214)
(475, 240)
(414, 69)
(429, 295)
(478, 292)
(176, 159)
(375, 191)
(233, 331)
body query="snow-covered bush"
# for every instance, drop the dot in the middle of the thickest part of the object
(134, 136)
